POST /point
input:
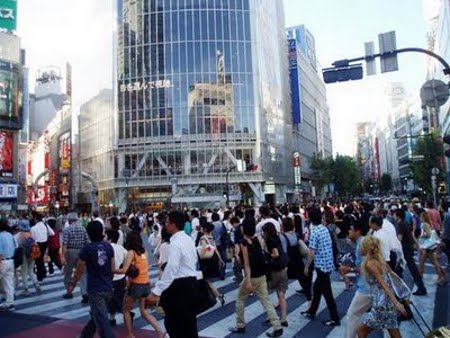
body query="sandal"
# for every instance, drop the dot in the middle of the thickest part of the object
(222, 299)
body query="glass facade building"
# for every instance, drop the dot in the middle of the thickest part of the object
(202, 88)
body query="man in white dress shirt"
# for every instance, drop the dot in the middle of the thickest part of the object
(177, 284)
(266, 218)
(40, 233)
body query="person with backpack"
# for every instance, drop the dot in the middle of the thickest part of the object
(295, 268)
(31, 252)
(278, 263)
(220, 235)
(321, 252)
(255, 268)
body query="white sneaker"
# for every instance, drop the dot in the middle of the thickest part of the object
(38, 288)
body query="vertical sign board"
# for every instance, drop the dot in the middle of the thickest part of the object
(8, 14)
(388, 43)
(295, 85)
(6, 154)
(64, 169)
(371, 68)
(297, 171)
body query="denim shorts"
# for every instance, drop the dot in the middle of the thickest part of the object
(138, 291)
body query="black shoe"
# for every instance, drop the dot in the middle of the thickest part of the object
(132, 314)
(113, 322)
(84, 299)
(222, 299)
(308, 314)
(240, 330)
(420, 293)
(266, 322)
(285, 324)
(277, 333)
(333, 323)
(301, 291)
(68, 296)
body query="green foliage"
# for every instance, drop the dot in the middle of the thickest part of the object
(386, 183)
(342, 171)
(431, 148)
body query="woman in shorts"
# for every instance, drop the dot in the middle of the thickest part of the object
(278, 268)
(138, 285)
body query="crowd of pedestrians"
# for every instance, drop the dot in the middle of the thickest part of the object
(110, 257)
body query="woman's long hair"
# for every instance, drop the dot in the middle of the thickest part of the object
(371, 246)
(134, 242)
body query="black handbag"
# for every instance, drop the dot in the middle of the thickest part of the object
(205, 297)
(132, 271)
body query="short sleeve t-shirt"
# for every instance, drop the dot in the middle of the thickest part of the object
(98, 256)
(321, 243)
(407, 239)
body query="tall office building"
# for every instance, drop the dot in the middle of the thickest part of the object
(310, 112)
(203, 99)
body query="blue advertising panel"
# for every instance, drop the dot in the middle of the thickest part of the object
(295, 82)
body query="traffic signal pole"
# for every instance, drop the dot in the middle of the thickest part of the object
(346, 62)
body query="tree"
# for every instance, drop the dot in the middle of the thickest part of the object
(346, 175)
(322, 171)
(386, 183)
(432, 150)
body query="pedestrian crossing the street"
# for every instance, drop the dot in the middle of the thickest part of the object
(216, 321)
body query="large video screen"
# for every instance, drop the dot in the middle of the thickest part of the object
(10, 96)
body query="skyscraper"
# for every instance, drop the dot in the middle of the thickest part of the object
(203, 99)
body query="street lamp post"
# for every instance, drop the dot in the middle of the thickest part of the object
(230, 169)
(434, 172)
(126, 175)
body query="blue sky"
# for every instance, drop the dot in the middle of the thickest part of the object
(340, 28)
(80, 32)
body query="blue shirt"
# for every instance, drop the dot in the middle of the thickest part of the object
(98, 256)
(361, 285)
(7, 245)
(320, 242)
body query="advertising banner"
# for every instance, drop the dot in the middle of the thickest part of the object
(295, 80)
(10, 96)
(8, 14)
(8, 191)
(6, 154)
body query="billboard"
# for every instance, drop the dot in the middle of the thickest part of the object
(64, 169)
(8, 191)
(6, 154)
(10, 48)
(8, 14)
(10, 95)
(295, 80)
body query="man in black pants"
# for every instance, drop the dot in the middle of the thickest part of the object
(321, 252)
(177, 285)
(406, 238)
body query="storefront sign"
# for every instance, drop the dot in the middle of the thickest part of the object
(138, 85)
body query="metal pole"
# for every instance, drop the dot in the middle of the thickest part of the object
(433, 186)
(228, 185)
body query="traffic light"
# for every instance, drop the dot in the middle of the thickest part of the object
(446, 140)
(341, 74)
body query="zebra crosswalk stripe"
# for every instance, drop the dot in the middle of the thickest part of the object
(216, 321)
